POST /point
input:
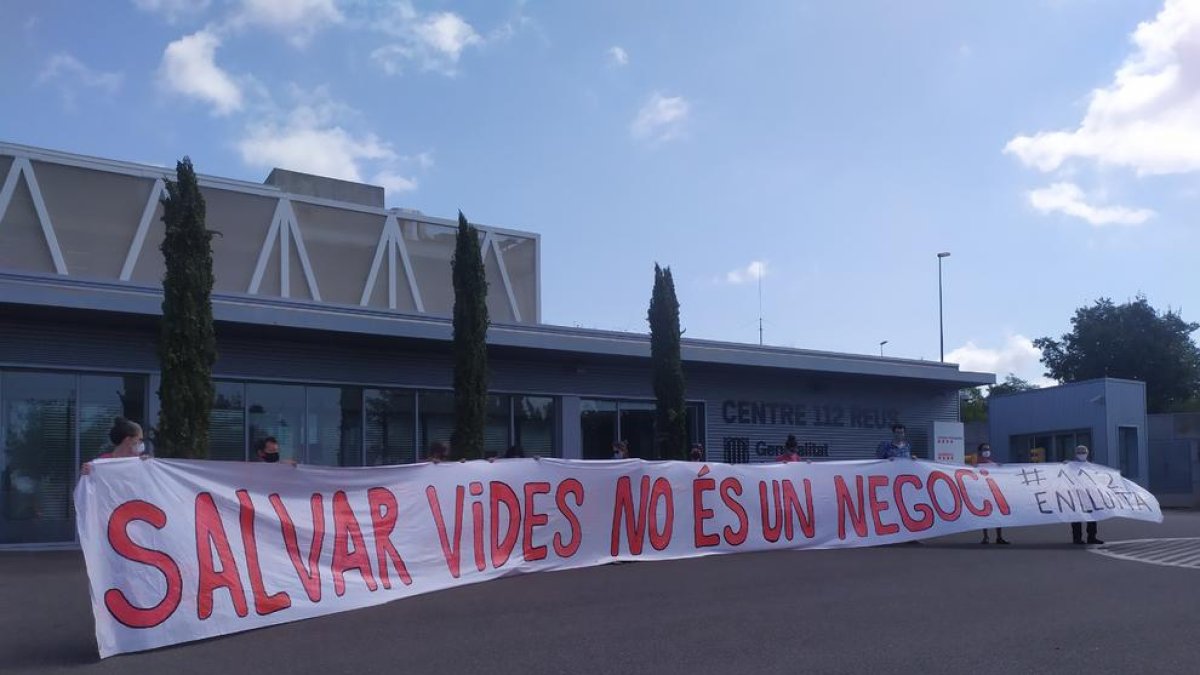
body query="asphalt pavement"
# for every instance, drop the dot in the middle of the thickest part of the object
(948, 606)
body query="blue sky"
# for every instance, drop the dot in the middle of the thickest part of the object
(832, 148)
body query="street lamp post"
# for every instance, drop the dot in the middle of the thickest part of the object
(941, 325)
(881, 344)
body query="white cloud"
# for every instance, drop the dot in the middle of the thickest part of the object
(189, 68)
(173, 10)
(1018, 356)
(753, 272)
(618, 56)
(1069, 199)
(299, 20)
(71, 75)
(393, 182)
(431, 42)
(662, 118)
(1148, 118)
(309, 140)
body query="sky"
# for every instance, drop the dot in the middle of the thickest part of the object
(828, 150)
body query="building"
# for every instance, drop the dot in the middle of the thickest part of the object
(1175, 459)
(333, 336)
(1108, 415)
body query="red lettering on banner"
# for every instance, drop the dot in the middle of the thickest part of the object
(1001, 502)
(791, 504)
(477, 524)
(635, 528)
(210, 531)
(874, 483)
(263, 604)
(771, 532)
(572, 487)
(310, 576)
(730, 489)
(959, 475)
(384, 512)
(346, 531)
(501, 550)
(953, 514)
(849, 506)
(118, 538)
(701, 514)
(659, 539)
(533, 519)
(911, 524)
(452, 553)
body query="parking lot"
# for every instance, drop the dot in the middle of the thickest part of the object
(950, 605)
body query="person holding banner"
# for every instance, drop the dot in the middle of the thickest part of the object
(791, 450)
(984, 455)
(1081, 455)
(126, 437)
(898, 447)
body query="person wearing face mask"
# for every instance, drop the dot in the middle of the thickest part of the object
(126, 437)
(898, 447)
(1081, 455)
(984, 456)
(268, 451)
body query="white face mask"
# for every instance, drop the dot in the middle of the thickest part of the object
(987, 453)
(1081, 457)
(139, 448)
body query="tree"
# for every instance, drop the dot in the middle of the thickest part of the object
(470, 343)
(187, 345)
(1011, 385)
(670, 422)
(973, 406)
(1132, 341)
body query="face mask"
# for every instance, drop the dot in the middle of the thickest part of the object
(270, 457)
(139, 448)
(987, 453)
(1081, 457)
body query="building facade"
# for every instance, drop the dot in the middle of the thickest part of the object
(333, 336)
(1175, 459)
(1107, 415)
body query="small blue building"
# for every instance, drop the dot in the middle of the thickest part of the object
(1108, 415)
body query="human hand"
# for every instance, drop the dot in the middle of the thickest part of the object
(87, 469)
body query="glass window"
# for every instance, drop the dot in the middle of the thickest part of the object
(534, 425)
(598, 428)
(38, 465)
(496, 428)
(436, 419)
(1128, 443)
(227, 422)
(1064, 447)
(695, 425)
(1084, 438)
(277, 410)
(102, 399)
(637, 428)
(391, 436)
(334, 435)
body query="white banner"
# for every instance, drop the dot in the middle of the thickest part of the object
(184, 550)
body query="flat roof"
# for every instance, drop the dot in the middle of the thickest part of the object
(46, 290)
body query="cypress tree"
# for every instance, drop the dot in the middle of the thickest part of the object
(470, 343)
(187, 343)
(670, 422)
